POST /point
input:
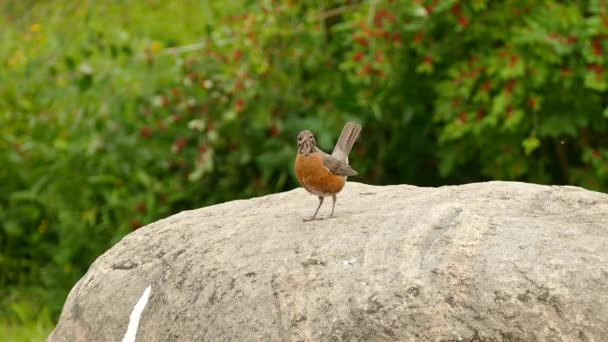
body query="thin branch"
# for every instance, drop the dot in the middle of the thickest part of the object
(563, 160)
(337, 11)
(370, 14)
(184, 48)
(172, 51)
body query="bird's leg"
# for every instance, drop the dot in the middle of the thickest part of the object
(314, 217)
(333, 197)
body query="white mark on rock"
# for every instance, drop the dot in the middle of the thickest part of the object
(348, 262)
(136, 315)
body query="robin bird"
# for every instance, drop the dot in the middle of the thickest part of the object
(321, 174)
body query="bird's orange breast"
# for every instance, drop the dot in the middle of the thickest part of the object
(315, 177)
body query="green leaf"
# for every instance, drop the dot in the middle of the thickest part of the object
(595, 81)
(530, 144)
(514, 119)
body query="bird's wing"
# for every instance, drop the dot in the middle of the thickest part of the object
(337, 167)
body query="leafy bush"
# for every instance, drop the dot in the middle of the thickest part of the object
(27, 323)
(126, 120)
(71, 182)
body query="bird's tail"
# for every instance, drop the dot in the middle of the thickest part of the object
(347, 139)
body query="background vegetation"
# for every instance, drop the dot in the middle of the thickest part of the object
(114, 114)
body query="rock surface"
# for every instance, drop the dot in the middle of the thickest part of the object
(486, 261)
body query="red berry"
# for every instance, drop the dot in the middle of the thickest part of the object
(161, 125)
(418, 37)
(176, 93)
(462, 117)
(140, 207)
(252, 37)
(367, 69)
(382, 34)
(486, 86)
(358, 56)
(239, 105)
(510, 85)
(135, 224)
(463, 21)
(379, 17)
(597, 47)
(145, 132)
(396, 37)
(361, 40)
(379, 58)
(596, 68)
(236, 55)
(180, 144)
(193, 76)
(274, 131)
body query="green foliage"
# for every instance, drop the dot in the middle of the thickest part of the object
(26, 321)
(71, 182)
(114, 116)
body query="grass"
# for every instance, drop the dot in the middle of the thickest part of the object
(25, 322)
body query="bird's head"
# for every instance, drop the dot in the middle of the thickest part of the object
(306, 142)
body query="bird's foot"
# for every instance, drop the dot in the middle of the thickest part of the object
(312, 219)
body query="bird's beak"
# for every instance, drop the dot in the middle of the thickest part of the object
(305, 145)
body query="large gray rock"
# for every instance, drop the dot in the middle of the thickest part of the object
(487, 261)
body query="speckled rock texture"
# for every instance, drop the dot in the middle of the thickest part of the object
(496, 261)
